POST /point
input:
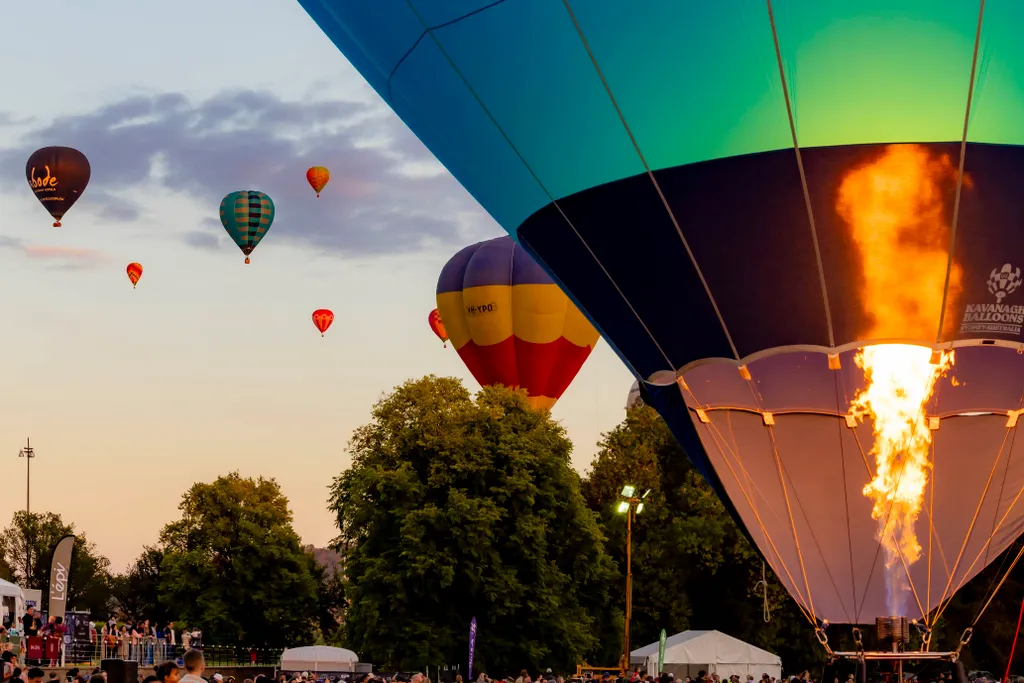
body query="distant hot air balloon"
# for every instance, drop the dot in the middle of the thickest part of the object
(510, 322)
(58, 177)
(134, 273)
(318, 176)
(247, 216)
(434, 320)
(322, 318)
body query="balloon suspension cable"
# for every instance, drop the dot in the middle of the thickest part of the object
(763, 585)
(965, 638)
(819, 633)
(926, 634)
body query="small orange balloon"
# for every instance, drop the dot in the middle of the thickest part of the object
(134, 273)
(437, 326)
(322, 318)
(318, 177)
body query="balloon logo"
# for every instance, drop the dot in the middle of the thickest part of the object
(58, 177)
(510, 322)
(434, 320)
(247, 216)
(318, 176)
(322, 318)
(134, 273)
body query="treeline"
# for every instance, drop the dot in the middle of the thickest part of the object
(232, 566)
(458, 507)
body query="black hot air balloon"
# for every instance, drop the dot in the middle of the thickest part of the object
(58, 177)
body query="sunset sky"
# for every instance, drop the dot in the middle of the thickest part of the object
(131, 396)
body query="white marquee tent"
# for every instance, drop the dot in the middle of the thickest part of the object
(319, 658)
(13, 599)
(688, 652)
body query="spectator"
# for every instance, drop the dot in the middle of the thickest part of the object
(194, 667)
(167, 672)
(35, 675)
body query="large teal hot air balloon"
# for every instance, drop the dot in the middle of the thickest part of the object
(247, 216)
(745, 197)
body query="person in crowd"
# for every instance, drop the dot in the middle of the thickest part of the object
(194, 667)
(167, 672)
(35, 675)
(28, 622)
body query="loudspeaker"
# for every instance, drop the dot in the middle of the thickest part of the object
(120, 671)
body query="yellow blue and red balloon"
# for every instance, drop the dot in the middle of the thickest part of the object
(322, 318)
(510, 323)
(134, 273)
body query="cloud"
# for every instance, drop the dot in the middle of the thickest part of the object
(387, 194)
(61, 257)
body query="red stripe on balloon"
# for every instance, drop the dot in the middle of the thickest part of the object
(493, 364)
(541, 369)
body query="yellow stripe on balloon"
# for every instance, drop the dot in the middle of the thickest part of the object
(578, 329)
(487, 311)
(453, 315)
(541, 402)
(538, 312)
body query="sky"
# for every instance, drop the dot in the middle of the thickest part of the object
(209, 366)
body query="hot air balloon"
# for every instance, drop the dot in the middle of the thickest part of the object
(58, 176)
(510, 322)
(134, 273)
(247, 216)
(318, 176)
(437, 327)
(322, 318)
(813, 233)
(633, 398)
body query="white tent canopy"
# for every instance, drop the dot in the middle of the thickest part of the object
(319, 658)
(688, 652)
(13, 599)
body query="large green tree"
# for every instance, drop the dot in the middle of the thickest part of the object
(692, 567)
(233, 565)
(137, 591)
(27, 546)
(457, 508)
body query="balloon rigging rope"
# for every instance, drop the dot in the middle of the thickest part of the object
(846, 497)
(960, 173)
(803, 177)
(963, 580)
(515, 150)
(970, 530)
(654, 181)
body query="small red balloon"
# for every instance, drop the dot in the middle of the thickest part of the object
(134, 273)
(434, 320)
(322, 318)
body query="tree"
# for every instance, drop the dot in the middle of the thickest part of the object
(27, 546)
(233, 565)
(137, 591)
(692, 567)
(457, 508)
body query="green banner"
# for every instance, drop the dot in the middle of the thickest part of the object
(661, 653)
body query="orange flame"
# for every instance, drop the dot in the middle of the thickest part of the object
(896, 211)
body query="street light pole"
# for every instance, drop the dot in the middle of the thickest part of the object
(631, 505)
(28, 453)
(629, 583)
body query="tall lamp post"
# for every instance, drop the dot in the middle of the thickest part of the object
(631, 506)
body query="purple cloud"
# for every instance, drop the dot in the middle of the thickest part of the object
(254, 140)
